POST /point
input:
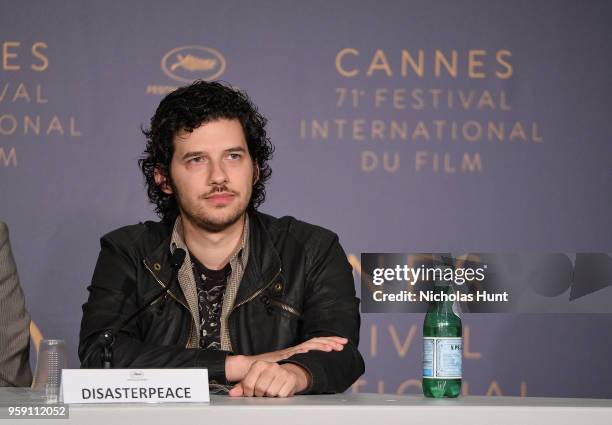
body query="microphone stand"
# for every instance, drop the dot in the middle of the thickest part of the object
(108, 336)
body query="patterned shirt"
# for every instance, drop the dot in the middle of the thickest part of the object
(186, 278)
(210, 286)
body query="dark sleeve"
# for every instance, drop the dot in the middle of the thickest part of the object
(330, 309)
(112, 297)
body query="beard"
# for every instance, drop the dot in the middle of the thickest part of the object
(214, 224)
(202, 217)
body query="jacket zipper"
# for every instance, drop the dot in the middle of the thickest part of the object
(174, 298)
(285, 307)
(254, 294)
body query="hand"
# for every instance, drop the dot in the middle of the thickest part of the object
(272, 380)
(323, 343)
(236, 367)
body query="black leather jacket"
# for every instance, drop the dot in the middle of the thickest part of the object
(297, 285)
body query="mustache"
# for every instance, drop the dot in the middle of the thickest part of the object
(218, 189)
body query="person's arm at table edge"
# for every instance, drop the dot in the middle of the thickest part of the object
(331, 308)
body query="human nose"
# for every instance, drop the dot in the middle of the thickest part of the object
(218, 174)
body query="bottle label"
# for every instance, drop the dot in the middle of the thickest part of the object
(442, 357)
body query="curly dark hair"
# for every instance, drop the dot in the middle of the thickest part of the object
(187, 108)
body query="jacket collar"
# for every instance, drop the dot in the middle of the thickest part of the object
(158, 262)
(264, 262)
(263, 265)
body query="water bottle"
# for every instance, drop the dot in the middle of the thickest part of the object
(442, 345)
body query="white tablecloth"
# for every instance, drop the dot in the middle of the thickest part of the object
(371, 409)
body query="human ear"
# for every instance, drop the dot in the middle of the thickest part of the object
(162, 181)
(256, 173)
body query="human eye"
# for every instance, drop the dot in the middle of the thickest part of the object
(234, 156)
(195, 160)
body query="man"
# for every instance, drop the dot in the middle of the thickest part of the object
(264, 303)
(14, 321)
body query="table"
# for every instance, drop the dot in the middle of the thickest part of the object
(354, 409)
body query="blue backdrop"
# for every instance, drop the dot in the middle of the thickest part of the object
(404, 126)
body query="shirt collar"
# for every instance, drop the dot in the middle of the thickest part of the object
(177, 240)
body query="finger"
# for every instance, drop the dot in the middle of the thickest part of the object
(288, 388)
(275, 386)
(338, 339)
(263, 383)
(333, 342)
(323, 346)
(249, 381)
(316, 346)
(335, 346)
(236, 391)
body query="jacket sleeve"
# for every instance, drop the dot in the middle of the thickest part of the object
(112, 297)
(330, 309)
(14, 321)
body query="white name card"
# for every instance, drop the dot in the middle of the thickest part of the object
(134, 385)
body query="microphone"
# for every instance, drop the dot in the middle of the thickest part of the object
(108, 336)
(177, 258)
